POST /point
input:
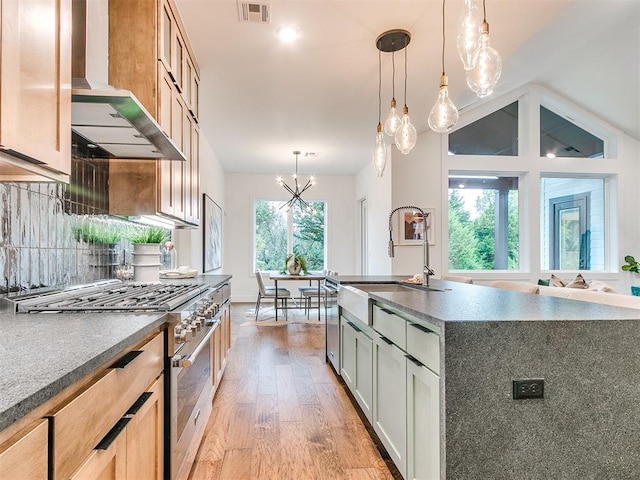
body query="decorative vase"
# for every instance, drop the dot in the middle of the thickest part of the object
(635, 290)
(146, 262)
(294, 266)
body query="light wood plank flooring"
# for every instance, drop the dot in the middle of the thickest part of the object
(281, 413)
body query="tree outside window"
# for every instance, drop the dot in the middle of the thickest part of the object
(279, 232)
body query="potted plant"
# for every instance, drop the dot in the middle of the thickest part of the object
(146, 252)
(295, 263)
(632, 266)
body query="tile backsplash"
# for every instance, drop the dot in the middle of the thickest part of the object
(39, 241)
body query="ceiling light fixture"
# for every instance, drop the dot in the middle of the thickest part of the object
(297, 191)
(469, 30)
(380, 150)
(444, 114)
(393, 120)
(487, 63)
(288, 33)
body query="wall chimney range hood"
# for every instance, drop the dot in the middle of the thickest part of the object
(102, 115)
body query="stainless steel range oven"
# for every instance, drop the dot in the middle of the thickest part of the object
(193, 311)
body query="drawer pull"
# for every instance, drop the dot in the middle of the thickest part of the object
(142, 399)
(386, 340)
(127, 359)
(354, 326)
(110, 437)
(422, 328)
(414, 360)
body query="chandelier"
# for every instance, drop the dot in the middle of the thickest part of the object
(297, 190)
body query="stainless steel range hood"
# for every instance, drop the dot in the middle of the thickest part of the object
(103, 115)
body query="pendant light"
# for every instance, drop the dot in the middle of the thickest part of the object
(444, 114)
(469, 29)
(487, 63)
(297, 190)
(393, 120)
(406, 135)
(380, 150)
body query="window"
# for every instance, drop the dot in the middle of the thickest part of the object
(483, 223)
(495, 134)
(572, 224)
(559, 137)
(279, 232)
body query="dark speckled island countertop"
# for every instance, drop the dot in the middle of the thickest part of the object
(42, 354)
(587, 426)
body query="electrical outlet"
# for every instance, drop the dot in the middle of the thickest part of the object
(528, 388)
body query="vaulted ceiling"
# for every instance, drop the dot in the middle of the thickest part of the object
(262, 99)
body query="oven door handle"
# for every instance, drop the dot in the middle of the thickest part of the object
(185, 361)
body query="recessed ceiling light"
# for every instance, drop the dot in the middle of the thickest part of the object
(288, 33)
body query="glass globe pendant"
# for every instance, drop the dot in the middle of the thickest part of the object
(469, 30)
(393, 120)
(484, 75)
(379, 153)
(444, 114)
(406, 135)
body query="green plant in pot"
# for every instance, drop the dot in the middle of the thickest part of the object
(295, 263)
(632, 266)
(146, 252)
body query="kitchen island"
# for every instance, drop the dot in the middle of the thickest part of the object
(587, 425)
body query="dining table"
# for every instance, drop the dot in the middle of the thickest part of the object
(307, 277)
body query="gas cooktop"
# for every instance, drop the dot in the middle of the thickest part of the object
(109, 295)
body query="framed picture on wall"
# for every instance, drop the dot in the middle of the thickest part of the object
(412, 227)
(212, 234)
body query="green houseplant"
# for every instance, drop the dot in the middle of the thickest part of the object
(146, 252)
(632, 265)
(294, 263)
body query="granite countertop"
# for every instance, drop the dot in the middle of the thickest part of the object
(42, 354)
(456, 302)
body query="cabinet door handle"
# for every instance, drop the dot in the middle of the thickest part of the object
(422, 328)
(142, 399)
(127, 359)
(414, 360)
(354, 326)
(386, 340)
(110, 437)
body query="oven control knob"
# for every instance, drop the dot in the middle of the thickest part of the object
(180, 335)
(197, 322)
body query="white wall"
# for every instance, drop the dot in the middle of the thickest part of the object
(377, 191)
(418, 181)
(189, 241)
(243, 189)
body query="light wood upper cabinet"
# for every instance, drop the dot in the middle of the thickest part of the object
(35, 86)
(30, 443)
(150, 54)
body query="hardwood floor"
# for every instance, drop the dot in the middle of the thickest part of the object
(281, 413)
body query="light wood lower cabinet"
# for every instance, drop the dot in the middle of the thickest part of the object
(30, 443)
(133, 448)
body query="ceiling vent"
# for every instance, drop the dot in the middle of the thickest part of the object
(253, 12)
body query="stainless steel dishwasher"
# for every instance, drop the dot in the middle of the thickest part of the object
(332, 316)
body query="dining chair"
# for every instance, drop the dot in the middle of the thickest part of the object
(307, 294)
(270, 292)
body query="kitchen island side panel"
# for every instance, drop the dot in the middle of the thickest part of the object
(586, 427)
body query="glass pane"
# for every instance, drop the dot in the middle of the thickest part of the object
(569, 239)
(483, 223)
(308, 235)
(561, 138)
(559, 197)
(495, 134)
(270, 235)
